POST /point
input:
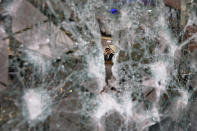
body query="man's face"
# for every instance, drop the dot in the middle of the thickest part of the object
(108, 51)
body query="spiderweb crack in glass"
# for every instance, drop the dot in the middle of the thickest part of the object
(57, 72)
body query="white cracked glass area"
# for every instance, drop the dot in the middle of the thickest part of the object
(37, 105)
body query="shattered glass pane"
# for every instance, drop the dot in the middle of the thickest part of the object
(53, 71)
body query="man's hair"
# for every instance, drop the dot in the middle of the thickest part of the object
(107, 48)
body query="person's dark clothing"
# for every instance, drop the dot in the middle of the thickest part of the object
(108, 67)
(108, 57)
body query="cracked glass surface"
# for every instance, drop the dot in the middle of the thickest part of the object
(53, 70)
